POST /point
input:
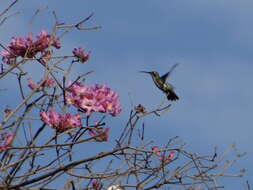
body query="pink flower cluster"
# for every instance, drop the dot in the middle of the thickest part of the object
(61, 122)
(81, 55)
(27, 47)
(47, 83)
(97, 98)
(6, 140)
(162, 156)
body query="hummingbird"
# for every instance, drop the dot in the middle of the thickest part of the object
(160, 82)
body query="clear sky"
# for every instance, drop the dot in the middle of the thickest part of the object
(212, 39)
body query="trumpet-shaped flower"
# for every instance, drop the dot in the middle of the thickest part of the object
(31, 83)
(97, 98)
(81, 55)
(61, 122)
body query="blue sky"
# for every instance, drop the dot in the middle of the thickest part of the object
(212, 39)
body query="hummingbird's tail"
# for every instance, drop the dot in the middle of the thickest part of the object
(171, 95)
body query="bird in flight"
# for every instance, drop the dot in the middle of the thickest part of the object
(160, 82)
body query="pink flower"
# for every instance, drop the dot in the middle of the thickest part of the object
(56, 43)
(45, 57)
(47, 82)
(6, 140)
(162, 156)
(61, 122)
(45, 117)
(81, 54)
(31, 84)
(156, 150)
(8, 57)
(27, 47)
(96, 185)
(97, 98)
(102, 134)
(171, 155)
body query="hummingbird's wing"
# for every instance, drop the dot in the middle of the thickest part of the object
(166, 75)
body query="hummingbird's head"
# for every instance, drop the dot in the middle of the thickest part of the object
(152, 73)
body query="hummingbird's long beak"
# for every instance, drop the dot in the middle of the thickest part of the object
(145, 72)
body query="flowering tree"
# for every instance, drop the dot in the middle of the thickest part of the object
(58, 115)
